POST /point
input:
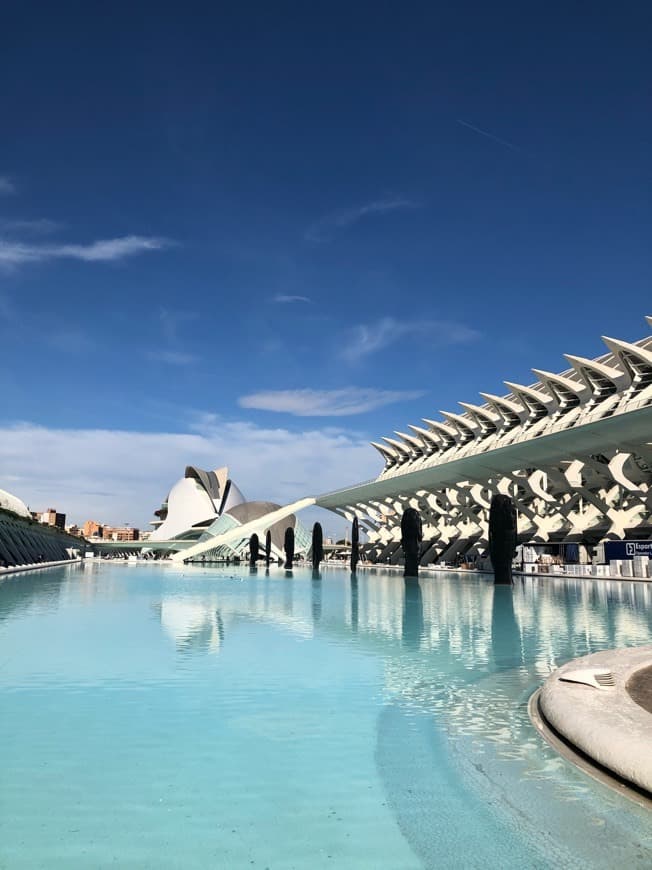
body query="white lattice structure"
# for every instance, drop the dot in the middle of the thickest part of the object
(574, 450)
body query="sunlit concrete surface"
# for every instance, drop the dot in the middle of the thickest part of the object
(15, 569)
(606, 723)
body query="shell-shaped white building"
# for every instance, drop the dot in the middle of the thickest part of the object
(573, 448)
(205, 514)
(194, 502)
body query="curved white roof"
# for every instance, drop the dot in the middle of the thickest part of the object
(195, 498)
(12, 503)
(188, 503)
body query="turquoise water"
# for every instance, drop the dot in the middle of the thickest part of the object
(152, 716)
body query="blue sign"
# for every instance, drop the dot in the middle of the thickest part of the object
(627, 549)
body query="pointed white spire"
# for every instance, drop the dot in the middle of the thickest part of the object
(402, 449)
(637, 361)
(530, 394)
(551, 381)
(411, 441)
(479, 411)
(596, 375)
(467, 428)
(430, 439)
(450, 435)
(511, 413)
(385, 452)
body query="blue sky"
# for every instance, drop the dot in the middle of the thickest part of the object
(261, 236)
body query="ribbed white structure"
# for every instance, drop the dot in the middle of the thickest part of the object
(574, 450)
(12, 503)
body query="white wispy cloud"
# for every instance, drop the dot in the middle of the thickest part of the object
(326, 403)
(172, 319)
(324, 228)
(281, 299)
(488, 135)
(367, 338)
(172, 357)
(7, 186)
(38, 226)
(118, 476)
(70, 340)
(15, 253)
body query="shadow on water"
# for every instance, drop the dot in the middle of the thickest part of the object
(316, 595)
(288, 593)
(505, 635)
(425, 793)
(354, 603)
(412, 614)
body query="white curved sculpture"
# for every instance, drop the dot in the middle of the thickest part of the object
(199, 497)
(12, 503)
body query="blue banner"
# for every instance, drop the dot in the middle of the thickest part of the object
(627, 549)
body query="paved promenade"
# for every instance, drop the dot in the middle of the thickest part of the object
(609, 723)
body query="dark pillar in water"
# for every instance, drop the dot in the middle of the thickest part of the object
(289, 547)
(411, 537)
(317, 546)
(502, 537)
(268, 547)
(355, 540)
(253, 550)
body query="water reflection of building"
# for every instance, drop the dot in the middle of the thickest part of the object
(193, 625)
(201, 623)
(460, 650)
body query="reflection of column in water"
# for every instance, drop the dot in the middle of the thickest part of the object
(220, 626)
(316, 596)
(288, 590)
(505, 636)
(412, 614)
(354, 602)
(611, 608)
(252, 590)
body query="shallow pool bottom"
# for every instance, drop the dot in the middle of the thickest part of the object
(157, 717)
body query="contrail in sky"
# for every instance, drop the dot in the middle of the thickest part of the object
(488, 135)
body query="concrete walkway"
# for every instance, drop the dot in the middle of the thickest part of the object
(610, 725)
(15, 569)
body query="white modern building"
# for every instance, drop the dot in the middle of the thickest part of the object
(194, 502)
(206, 515)
(573, 448)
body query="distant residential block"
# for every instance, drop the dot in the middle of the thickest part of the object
(92, 529)
(126, 533)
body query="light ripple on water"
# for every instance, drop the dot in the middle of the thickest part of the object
(156, 718)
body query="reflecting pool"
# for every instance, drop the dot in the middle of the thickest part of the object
(166, 717)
